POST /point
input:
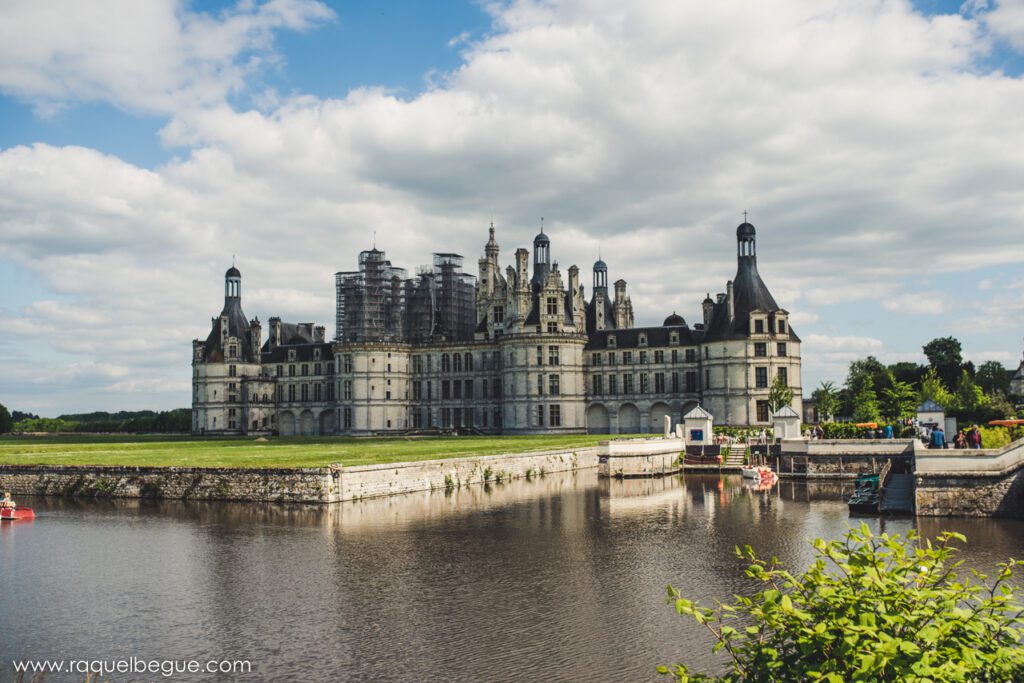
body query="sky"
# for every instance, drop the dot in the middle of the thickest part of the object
(876, 145)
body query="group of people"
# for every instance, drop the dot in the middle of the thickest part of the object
(969, 438)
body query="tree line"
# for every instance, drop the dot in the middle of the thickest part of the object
(178, 420)
(875, 392)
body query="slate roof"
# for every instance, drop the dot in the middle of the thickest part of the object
(238, 326)
(630, 338)
(930, 406)
(303, 353)
(698, 413)
(591, 314)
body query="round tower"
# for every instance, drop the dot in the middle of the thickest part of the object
(746, 237)
(541, 258)
(232, 284)
(600, 276)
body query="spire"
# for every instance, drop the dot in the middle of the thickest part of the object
(491, 248)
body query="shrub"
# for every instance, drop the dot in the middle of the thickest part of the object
(870, 608)
(994, 437)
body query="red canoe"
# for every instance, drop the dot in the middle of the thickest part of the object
(13, 515)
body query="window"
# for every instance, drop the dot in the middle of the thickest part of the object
(782, 327)
(446, 363)
(499, 314)
(595, 359)
(305, 392)
(456, 363)
(611, 341)
(627, 357)
(760, 349)
(417, 365)
(446, 389)
(707, 353)
(784, 375)
(659, 356)
(316, 356)
(645, 386)
(347, 418)
(761, 377)
(540, 416)
(612, 388)
(759, 326)
(280, 370)
(456, 389)
(291, 354)
(469, 362)
(643, 358)
(291, 392)
(555, 415)
(552, 328)
(553, 385)
(317, 392)
(330, 391)
(483, 388)
(707, 379)
(627, 384)
(673, 338)
(540, 385)
(552, 355)
(417, 391)
(317, 369)
(552, 306)
(540, 355)
(232, 371)
(348, 390)
(691, 355)
(596, 381)
(291, 370)
(691, 382)
(643, 339)
(469, 389)
(659, 382)
(348, 362)
(611, 358)
(675, 382)
(762, 411)
(417, 419)
(781, 348)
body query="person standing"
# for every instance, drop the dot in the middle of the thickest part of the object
(938, 438)
(975, 436)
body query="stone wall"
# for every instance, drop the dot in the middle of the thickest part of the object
(311, 485)
(639, 457)
(981, 483)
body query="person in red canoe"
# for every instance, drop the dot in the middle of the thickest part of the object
(7, 502)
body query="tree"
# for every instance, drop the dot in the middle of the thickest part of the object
(906, 371)
(827, 399)
(780, 395)
(898, 402)
(870, 608)
(993, 377)
(933, 389)
(870, 367)
(5, 420)
(865, 404)
(945, 354)
(968, 399)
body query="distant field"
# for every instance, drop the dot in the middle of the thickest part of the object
(162, 451)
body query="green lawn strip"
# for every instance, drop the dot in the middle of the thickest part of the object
(275, 453)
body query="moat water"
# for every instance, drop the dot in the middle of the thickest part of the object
(560, 578)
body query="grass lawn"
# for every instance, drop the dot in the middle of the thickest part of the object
(309, 451)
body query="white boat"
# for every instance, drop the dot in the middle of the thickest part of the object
(757, 472)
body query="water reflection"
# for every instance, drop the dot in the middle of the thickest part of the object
(556, 578)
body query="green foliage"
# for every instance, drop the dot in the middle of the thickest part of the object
(870, 608)
(993, 378)
(5, 420)
(827, 398)
(43, 424)
(933, 388)
(868, 370)
(906, 371)
(177, 421)
(898, 402)
(945, 355)
(865, 402)
(968, 399)
(780, 395)
(995, 437)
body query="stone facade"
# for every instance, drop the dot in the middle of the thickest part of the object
(540, 357)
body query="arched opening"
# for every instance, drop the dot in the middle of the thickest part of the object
(597, 419)
(287, 424)
(327, 422)
(629, 419)
(307, 424)
(659, 411)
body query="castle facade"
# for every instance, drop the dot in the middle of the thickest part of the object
(519, 351)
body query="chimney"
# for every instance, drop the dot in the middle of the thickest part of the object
(731, 300)
(255, 336)
(709, 309)
(620, 291)
(275, 333)
(320, 334)
(522, 267)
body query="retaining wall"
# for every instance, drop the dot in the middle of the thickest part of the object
(299, 485)
(971, 483)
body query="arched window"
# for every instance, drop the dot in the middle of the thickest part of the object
(457, 363)
(469, 362)
(446, 363)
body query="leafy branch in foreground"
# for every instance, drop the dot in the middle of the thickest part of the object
(870, 608)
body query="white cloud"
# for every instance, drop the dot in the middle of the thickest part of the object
(866, 139)
(153, 56)
(918, 303)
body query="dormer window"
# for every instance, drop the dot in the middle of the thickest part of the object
(552, 306)
(316, 354)
(232, 350)
(759, 326)
(673, 338)
(611, 341)
(291, 354)
(643, 339)
(782, 327)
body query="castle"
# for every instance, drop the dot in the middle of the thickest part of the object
(515, 352)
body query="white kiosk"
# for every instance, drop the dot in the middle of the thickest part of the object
(697, 426)
(786, 423)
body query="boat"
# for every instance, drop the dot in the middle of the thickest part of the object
(865, 495)
(16, 514)
(756, 472)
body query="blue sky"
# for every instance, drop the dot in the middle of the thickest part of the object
(142, 147)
